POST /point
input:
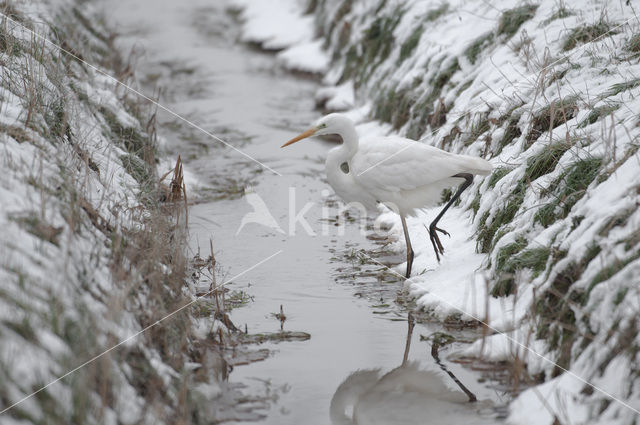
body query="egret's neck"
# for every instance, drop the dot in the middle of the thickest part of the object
(347, 131)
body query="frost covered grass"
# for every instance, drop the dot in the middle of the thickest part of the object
(549, 94)
(92, 244)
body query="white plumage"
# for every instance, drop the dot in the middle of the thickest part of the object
(409, 174)
(403, 174)
(406, 395)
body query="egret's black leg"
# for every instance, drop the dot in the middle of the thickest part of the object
(435, 239)
(409, 248)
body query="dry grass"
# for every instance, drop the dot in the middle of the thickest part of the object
(143, 246)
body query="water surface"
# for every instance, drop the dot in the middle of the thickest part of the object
(346, 305)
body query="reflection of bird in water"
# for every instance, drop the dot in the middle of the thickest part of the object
(405, 396)
(260, 214)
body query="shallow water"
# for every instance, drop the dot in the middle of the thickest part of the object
(347, 307)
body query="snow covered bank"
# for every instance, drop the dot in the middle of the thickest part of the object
(548, 92)
(282, 25)
(90, 254)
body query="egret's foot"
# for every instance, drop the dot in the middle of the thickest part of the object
(437, 246)
(444, 232)
(435, 240)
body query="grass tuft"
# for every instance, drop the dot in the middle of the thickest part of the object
(440, 80)
(546, 161)
(570, 188)
(621, 87)
(479, 44)
(410, 44)
(511, 20)
(560, 13)
(586, 34)
(374, 47)
(497, 175)
(633, 45)
(512, 259)
(609, 271)
(551, 116)
(488, 233)
(434, 14)
(394, 106)
(598, 113)
(479, 126)
(511, 132)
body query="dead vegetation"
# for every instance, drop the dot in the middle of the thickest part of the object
(135, 268)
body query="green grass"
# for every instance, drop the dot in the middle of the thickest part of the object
(479, 126)
(620, 296)
(611, 270)
(508, 251)
(560, 13)
(632, 240)
(379, 38)
(511, 132)
(381, 5)
(475, 204)
(410, 44)
(341, 12)
(463, 87)
(137, 168)
(394, 106)
(512, 259)
(479, 44)
(511, 20)
(33, 224)
(434, 14)
(621, 87)
(374, 47)
(570, 187)
(9, 45)
(23, 328)
(132, 139)
(497, 175)
(633, 45)
(545, 161)
(488, 233)
(401, 106)
(441, 79)
(551, 116)
(599, 113)
(554, 311)
(56, 118)
(586, 34)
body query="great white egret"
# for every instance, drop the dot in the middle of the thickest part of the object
(407, 395)
(401, 173)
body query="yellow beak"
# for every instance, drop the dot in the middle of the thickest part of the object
(299, 137)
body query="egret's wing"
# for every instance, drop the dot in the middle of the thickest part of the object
(395, 163)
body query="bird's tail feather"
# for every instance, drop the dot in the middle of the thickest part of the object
(476, 165)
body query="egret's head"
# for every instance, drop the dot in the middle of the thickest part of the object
(330, 124)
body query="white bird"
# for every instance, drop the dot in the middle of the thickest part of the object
(406, 395)
(400, 173)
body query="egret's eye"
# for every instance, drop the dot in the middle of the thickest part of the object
(323, 125)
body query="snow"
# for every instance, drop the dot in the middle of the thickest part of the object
(337, 98)
(307, 57)
(281, 25)
(62, 300)
(457, 285)
(276, 24)
(542, 404)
